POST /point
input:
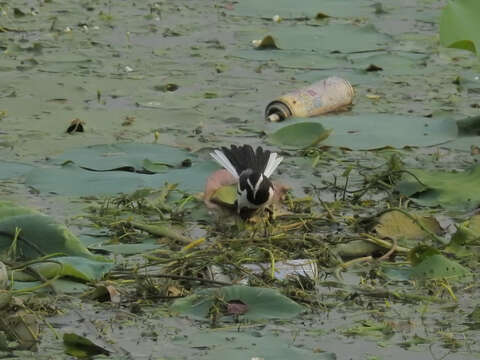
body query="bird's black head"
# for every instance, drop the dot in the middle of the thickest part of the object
(256, 186)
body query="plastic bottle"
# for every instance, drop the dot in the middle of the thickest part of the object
(321, 97)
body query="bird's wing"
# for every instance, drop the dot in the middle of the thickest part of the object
(273, 161)
(223, 161)
(237, 159)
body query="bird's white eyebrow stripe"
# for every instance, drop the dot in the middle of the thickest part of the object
(250, 184)
(257, 185)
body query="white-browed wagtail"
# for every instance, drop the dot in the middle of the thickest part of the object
(252, 170)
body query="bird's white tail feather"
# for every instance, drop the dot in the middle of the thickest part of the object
(273, 162)
(223, 161)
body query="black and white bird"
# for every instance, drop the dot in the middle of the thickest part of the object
(252, 169)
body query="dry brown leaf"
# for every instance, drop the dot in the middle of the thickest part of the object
(396, 225)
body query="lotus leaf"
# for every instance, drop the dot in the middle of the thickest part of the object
(300, 135)
(124, 155)
(75, 267)
(459, 25)
(439, 267)
(369, 131)
(8, 209)
(453, 190)
(70, 179)
(39, 235)
(263, 303)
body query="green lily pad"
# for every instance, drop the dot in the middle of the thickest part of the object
(459, 25)
(263, 303)
(374, 131)
(40, 235)
(300, 135)
(68, 178)
(453, 190)
(8, 209)
(439, 267)
(75, 267)
(62, 285)
(428, 264)
(396, 273)
(125, 155)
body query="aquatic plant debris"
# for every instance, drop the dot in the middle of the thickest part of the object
(81, 347)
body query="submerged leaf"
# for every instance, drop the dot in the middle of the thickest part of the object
(370, 329)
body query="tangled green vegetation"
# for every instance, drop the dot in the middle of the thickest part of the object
(298, 247)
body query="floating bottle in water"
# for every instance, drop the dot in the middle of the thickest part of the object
(321, 97)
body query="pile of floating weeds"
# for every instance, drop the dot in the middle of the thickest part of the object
(166, 247)
(314, 252)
